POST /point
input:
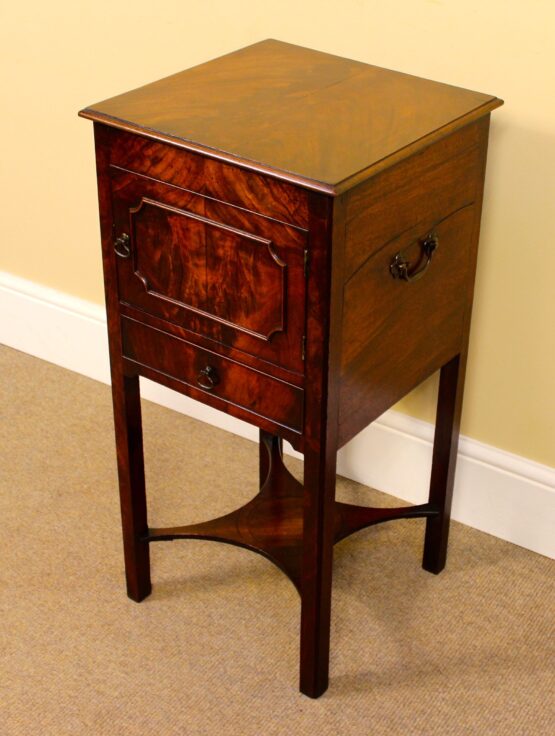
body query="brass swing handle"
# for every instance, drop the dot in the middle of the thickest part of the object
(208, 378)
(121, 246)
(400, 268)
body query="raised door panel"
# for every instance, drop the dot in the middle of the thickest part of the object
(219, 271)
(217, 264)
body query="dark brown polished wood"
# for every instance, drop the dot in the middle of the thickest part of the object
(290, 237)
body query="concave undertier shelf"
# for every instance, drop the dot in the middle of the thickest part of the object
(271, 523)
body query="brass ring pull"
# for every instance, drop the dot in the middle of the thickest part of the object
(208, 378)
(400, 266)
(122, 247)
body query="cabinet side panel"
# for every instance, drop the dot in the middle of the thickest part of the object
(425, 186)
(395, 332)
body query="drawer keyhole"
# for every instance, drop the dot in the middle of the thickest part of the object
(208, 378)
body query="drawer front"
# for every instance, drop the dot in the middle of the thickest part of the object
(216, 270)
(210, 377)
(397, 332)
(422, 188)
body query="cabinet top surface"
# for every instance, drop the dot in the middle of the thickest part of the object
(315, 119)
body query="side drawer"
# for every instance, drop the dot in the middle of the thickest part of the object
(212, 378)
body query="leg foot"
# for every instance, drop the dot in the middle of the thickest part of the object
(129, 443)
(316, 578)
(443, 464)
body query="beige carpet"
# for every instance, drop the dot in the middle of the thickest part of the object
(214, 649)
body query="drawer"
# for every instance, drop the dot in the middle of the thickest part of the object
(207, 376)
(397, 332)
(216, 270)
(422, 188)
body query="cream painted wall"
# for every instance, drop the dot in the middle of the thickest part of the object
(62, 55)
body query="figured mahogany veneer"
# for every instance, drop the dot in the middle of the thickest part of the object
(290, 237)
(211, 177)
(204, 277)
(269, 106)
(216, 270)
(252, 395)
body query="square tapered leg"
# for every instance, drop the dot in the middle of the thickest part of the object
(129, 443)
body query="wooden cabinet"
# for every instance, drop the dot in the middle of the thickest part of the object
(290, 237)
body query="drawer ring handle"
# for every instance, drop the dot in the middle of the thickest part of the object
(208, 378)
(122, 247)
(400, 266)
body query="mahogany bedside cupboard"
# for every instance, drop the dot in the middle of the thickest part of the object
(290, 237)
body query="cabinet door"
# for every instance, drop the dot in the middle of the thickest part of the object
(219, 271)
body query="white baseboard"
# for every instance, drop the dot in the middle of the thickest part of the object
(497, 492)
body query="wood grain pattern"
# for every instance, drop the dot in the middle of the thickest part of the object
(200, 264)
(203, 341)
(449, 405)
(189, 170)
(293, 111)
(422, 188)
(126, 402)
(257, 203)
(240, 391)
(216, 270)
(396, 334)
(324, 310)
(271, 523)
